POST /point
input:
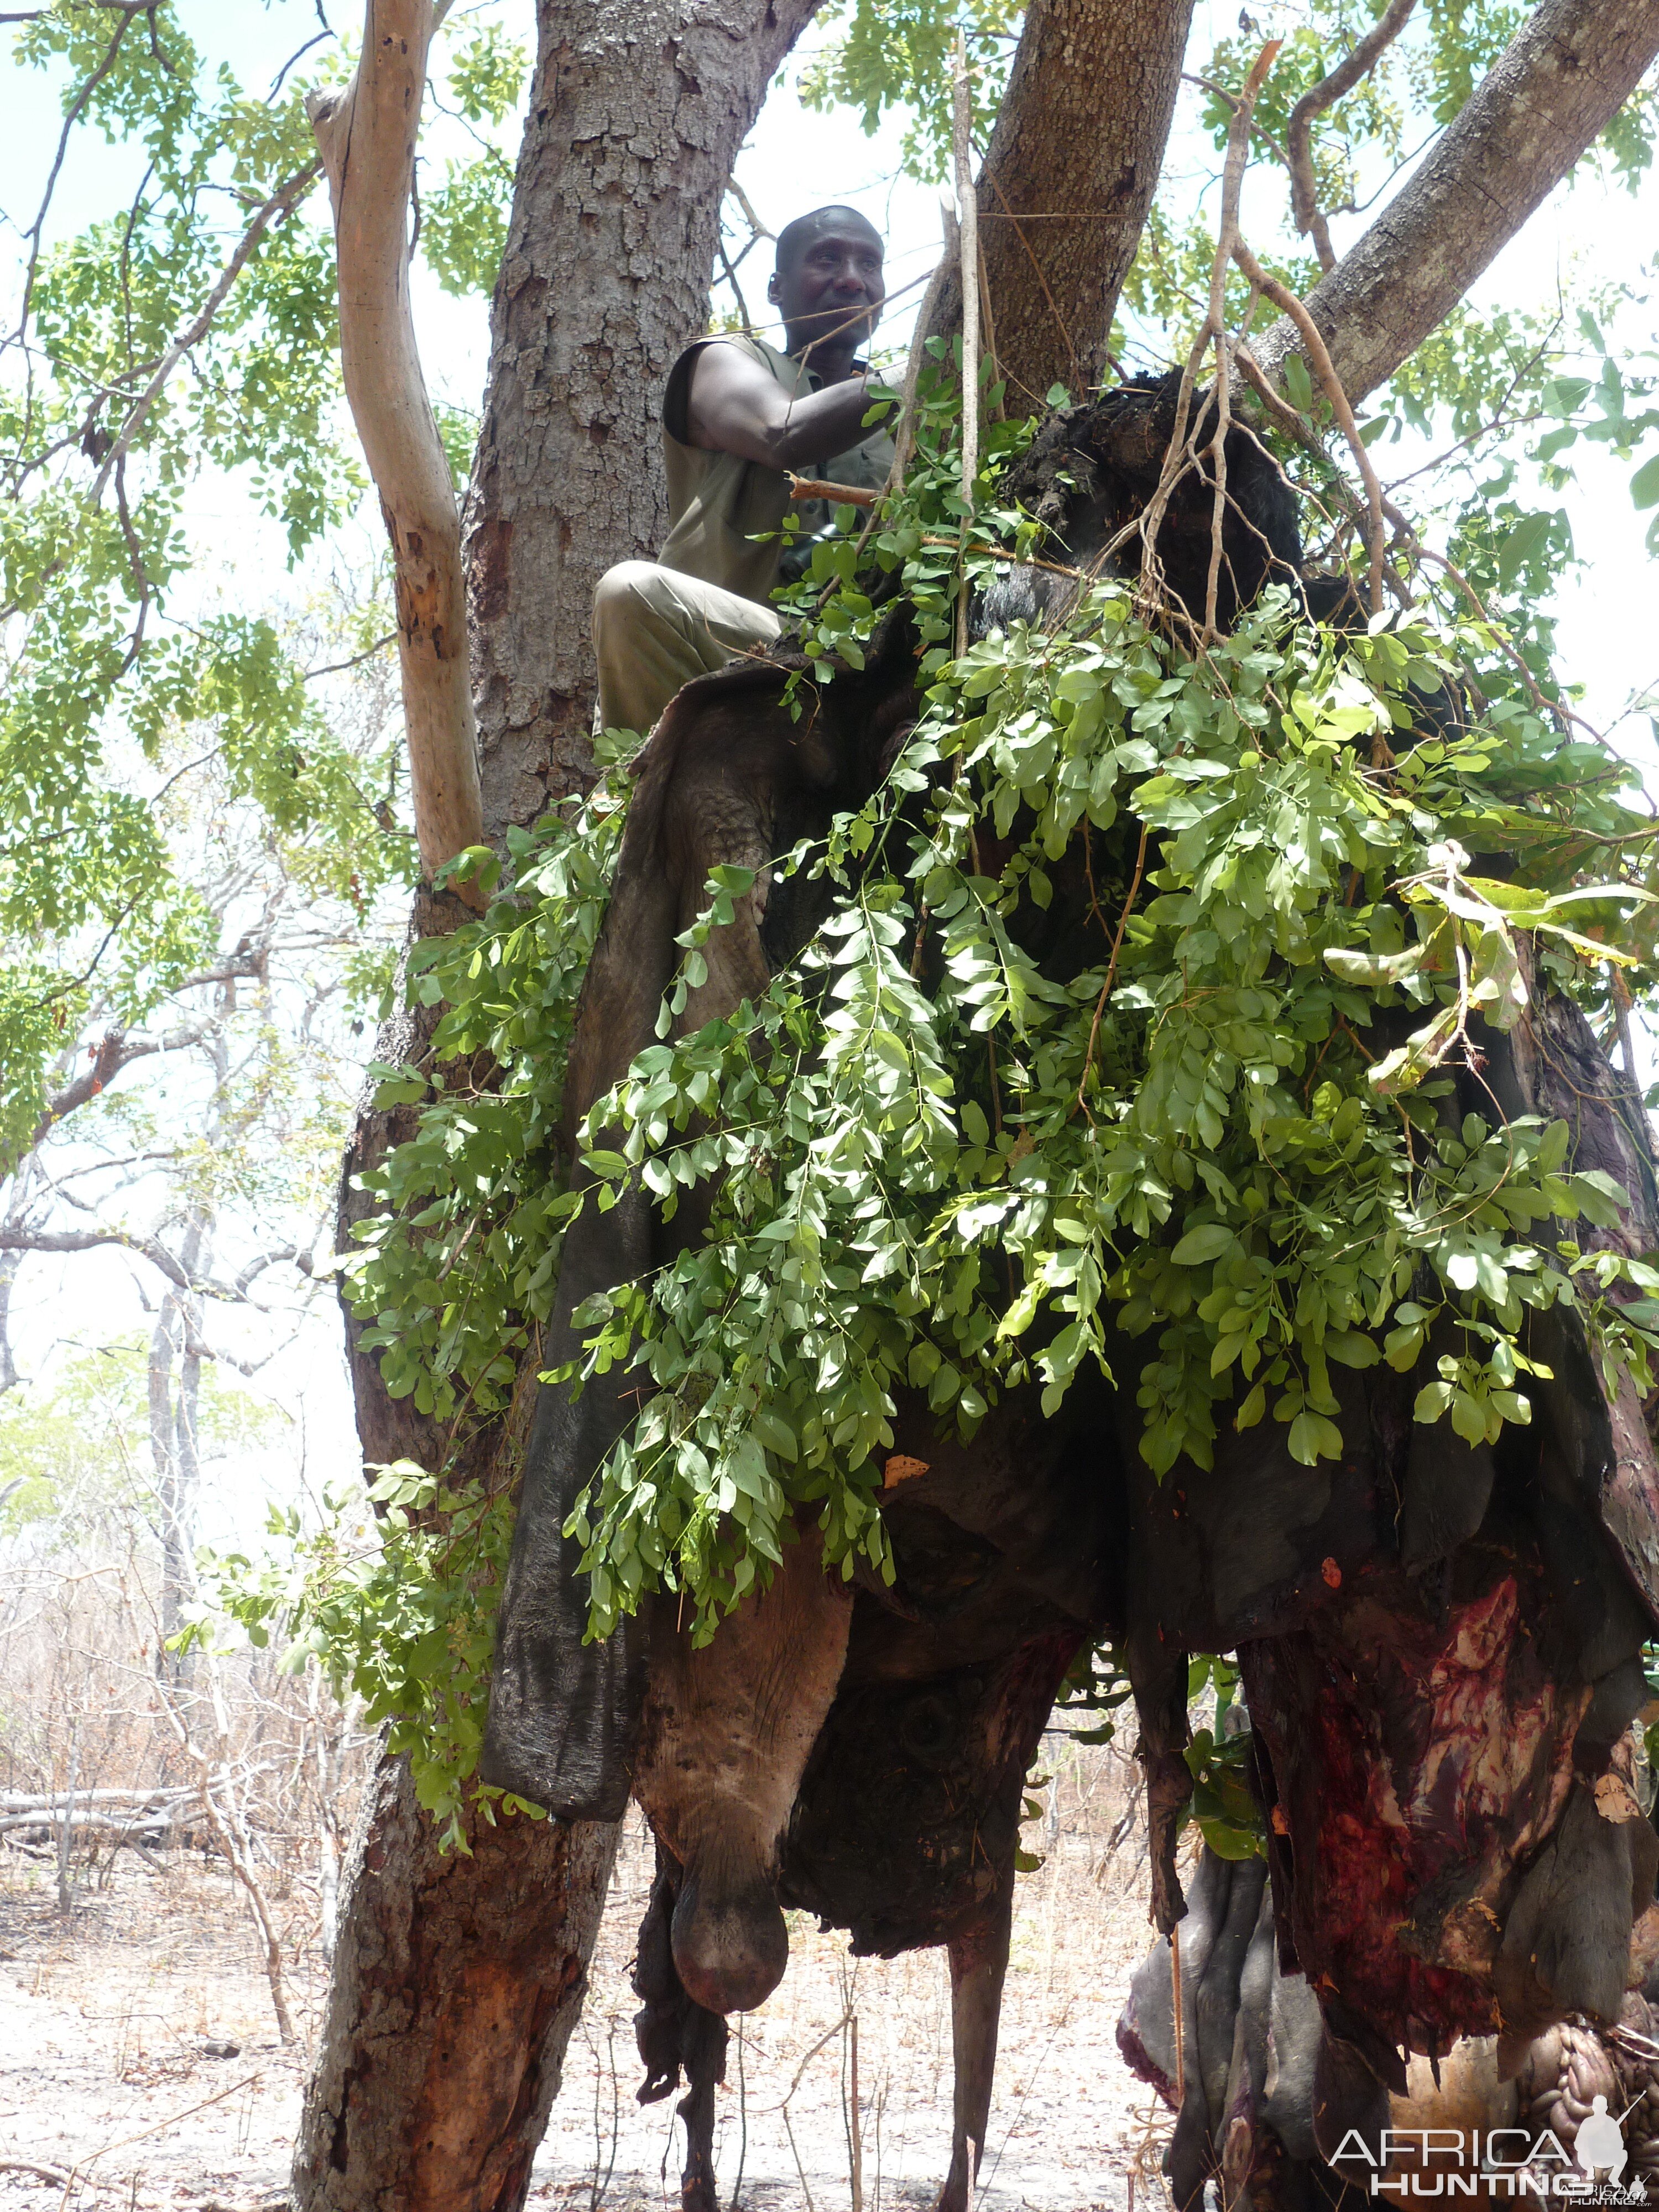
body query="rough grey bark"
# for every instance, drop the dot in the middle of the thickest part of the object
(1559, 83)
(1068, 178)
(637, 113)
(458, 1980)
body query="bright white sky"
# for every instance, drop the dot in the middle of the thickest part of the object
(795, 159)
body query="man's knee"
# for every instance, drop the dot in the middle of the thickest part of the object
(622, 586)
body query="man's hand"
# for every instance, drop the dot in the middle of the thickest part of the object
(736, 406)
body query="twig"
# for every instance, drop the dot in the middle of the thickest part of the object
(732, 279)
(1232, 187)
(1180, 2025)
(1111, 968)
(281, 203)
(800, 2168)
(904, 442)
(743, 2124)
(854, 2132)
(339, 667)
(1179, 457)
(1562, 715)
(1230, 101)
(743, 201)
(968, 248)
(58, 2176)
(72, 116)
(991, 332)
(66, 1831)
(1297, 427)
(1304, 195)
(78, 2173)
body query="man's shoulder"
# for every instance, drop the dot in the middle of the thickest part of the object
(740, 341)
(676, 393)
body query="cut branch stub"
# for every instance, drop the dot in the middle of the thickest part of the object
(367, 136)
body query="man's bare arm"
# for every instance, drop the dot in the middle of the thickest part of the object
(734, 406)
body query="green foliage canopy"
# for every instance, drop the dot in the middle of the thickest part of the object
(182, 342)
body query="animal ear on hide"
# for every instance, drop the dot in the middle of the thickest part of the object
(563, 1713)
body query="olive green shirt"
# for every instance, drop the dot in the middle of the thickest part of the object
(718, 503)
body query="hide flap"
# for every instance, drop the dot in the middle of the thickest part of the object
(1551, 1065)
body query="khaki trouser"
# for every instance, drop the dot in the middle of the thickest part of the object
(655, 629)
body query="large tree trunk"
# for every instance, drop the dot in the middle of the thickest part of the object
(458, 1980)
(637, 114)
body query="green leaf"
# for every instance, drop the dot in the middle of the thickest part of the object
(1207, 1242)
(1313, 1437)
(1432, 1400)
(1520, 544)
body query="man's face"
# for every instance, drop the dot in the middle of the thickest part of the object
(832, 289)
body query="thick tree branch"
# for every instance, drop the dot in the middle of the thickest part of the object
(114, 1051)
(367, 135)
(1566, 74)
(1068, 179)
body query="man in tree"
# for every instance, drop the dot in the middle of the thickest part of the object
(736, 414)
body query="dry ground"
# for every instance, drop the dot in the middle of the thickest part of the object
(138, 2052)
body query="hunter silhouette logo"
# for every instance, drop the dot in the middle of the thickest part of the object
(1600, 2142)
(1497, 2163)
